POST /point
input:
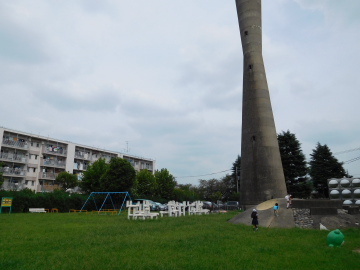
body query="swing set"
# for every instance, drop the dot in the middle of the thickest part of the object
(110, 201)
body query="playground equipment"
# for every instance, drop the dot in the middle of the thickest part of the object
(335, 238)
(140, 210)
(109, 198)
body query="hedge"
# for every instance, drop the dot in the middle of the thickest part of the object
(25, 199)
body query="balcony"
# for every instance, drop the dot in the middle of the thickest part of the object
(13, 157)
(47, 188)
(13, 172)
(55, 151)
(48, 175)
(13, 186)
(82, 155)
(80, 167)
(15, 144)
(53, 163)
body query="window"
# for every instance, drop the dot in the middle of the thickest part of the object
(32, 183)
(34, 169)
(36, 156)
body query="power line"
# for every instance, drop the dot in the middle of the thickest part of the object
(338, 153)
(352, 160)
(202, 174)
(347, 151)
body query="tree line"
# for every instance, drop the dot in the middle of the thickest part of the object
(303, 179)
(119, 176)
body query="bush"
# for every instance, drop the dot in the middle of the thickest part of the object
(26, 198)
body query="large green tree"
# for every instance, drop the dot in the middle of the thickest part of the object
(91, 180)
(294, 165)
(165, 184)
(323, 166)
(145, 184)
(119, 176)
(67, 180)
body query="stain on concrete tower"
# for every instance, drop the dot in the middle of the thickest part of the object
(262, 175)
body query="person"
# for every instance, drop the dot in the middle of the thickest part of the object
(276, 209)
(290, 200)
(287, 197)
(255, 221)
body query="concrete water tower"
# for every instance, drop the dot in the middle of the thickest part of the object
(262, 175)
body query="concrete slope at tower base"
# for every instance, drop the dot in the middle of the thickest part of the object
(285, 219)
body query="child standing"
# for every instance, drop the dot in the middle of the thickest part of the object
(255, 221)
(276, 209)
(287, 197)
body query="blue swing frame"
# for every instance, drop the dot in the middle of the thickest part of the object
(108, 195)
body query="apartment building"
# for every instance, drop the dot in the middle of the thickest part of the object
(32, 161)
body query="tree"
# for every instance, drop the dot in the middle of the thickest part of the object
(67, 180)
(294, 165)
(228, 188)
(214, 189)
(91, 180)
(186, 192)
(119, 176)
(145, 184)
(235, 184)
(323, 166)
(165, 184)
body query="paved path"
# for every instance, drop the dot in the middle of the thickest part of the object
(266, 215)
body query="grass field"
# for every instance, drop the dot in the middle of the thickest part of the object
(80, 241)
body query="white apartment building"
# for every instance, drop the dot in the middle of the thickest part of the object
(32, 161)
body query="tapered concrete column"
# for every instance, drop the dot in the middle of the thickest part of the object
(262, 175)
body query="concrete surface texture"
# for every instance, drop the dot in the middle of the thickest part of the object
(285, 218)
(262, 176)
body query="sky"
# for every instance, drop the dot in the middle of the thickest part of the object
(163, 79)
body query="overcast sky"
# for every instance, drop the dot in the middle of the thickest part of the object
(166, 76)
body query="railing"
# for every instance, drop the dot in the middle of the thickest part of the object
(62, 152)
(47, 188)
(16, 144)
(13, 157)
(54, 163)
(81, 155)
(13, 186)
(143, 167)
(12, 171)
(48, 175)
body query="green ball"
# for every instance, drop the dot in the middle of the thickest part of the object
(335, 238)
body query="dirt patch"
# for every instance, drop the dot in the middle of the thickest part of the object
(340, 221)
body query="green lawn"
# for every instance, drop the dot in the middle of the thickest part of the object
(80, 241)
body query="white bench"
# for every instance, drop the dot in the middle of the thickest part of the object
(37, 210)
